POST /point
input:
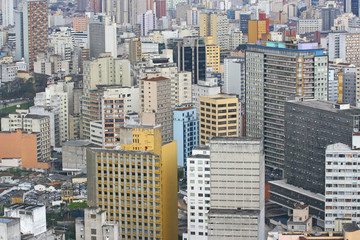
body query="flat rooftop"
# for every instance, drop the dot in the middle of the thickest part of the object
(326, 106)
(24, 206)
(8, 219)
(234, 212)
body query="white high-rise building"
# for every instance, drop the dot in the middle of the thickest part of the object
(7, 12)
(234, 76)
(198, 193)
(342, 174)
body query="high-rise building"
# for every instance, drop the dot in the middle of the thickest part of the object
(234, 76)
(342, 183)
(328, 15)
(96, 6)
(155, 104)
(80, 23)
(147, 22)
(186, 132)
(215, 25)
(218, 117)
(274, 73)
(143, 197)
(160, 8)
(23, 145)
(31, 30)
(203, 88)
(102, 36)
(256, 29)
(134, 50)
(313, 125)
(190, 56)
(212, 54)
(237, 171)
(82, 5)
(30, 123)
(245, 17)
(198, 193)
(7, 10)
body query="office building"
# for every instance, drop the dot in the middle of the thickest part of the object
(203, 88)
(186, 132)
(32, 217)
(308, 26)
(234, 76)
(313, 125)
(218, 117)
(160, 8)
(212, 55)
(271, 79)
(256, 29)
(155, 104)
(31, 30)
(74, 155)
(328, 15)
(7, 10)
(94, 225)
(241, 214)
(341, 182)
(198, 193)
(244, 19)
(102, 36)
(215, 25)
(190, 56)
(25, 146)
(143, 197)
(96, 6)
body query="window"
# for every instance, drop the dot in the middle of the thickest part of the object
(93, 231)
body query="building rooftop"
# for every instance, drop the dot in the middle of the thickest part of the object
(76, 143)
(102, 150)
(326, 106)
(34, 116)
(282, 183)
(235, 139)
(220, 96)
(8, 219)
(350, 227)
(24, 206)
(338, 147)
(155, 79)
(184, 109)
(234, 211)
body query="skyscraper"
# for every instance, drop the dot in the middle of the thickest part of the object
(31, 30)
(102, 36)
(136, 188)
(237, 201)
(190, 55)
(215, 25)
(274, 73)
(7, 12)
(95, 5)
(160, 8)
(234, 76)
(147, 22)
(313, 125)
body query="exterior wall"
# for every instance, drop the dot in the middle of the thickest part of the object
(74, 155)
(186, 132)
(21, 145)
(341, 184)
(32, 220)
(308, 25)
(312, 125)
(10, 228)
(234, 77)
(200, 91)
(80, 24)
(198, 193)
(224, 110)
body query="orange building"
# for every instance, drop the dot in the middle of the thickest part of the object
(256, 29)
(80, 23)
(21, 145)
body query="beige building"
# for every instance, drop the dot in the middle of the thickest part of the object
(155, 104)
(134, 50)
(218, 116)
(30, 123)
(106, 70)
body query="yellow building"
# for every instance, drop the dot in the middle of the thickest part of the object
(256, 29)
(218, 117)
(137, 186)
(212, 54)
(216, 26)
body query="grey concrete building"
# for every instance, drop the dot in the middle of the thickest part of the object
(74, 155)
(237, 188)
(10, 228)
(310, 126)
